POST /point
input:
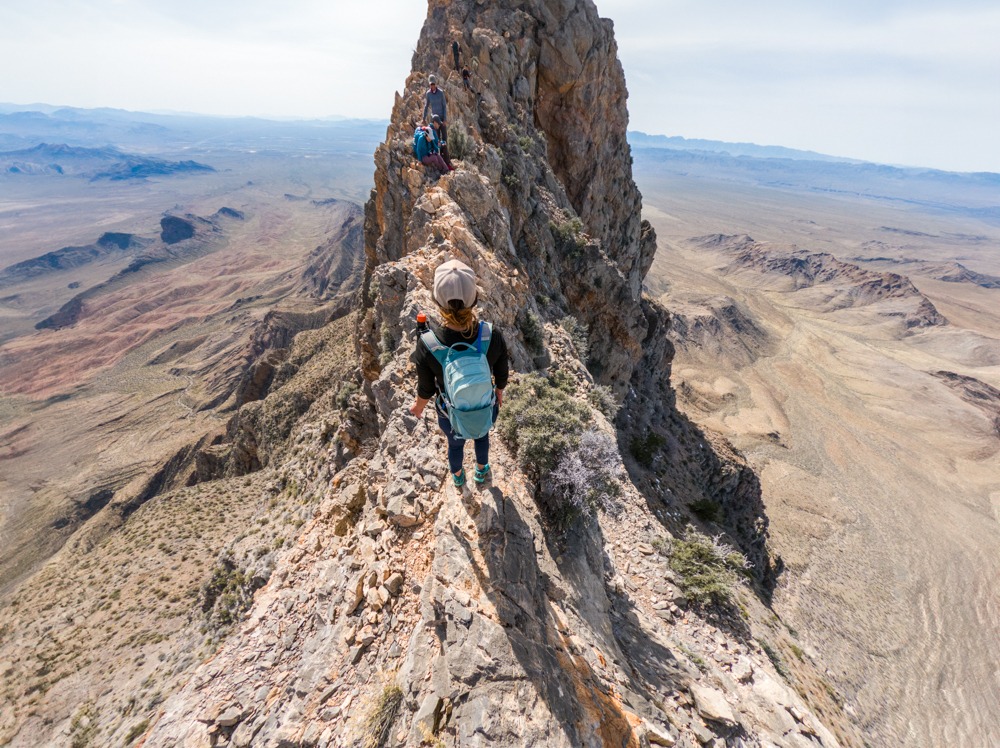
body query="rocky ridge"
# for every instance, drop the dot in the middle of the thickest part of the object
(411, 613)
(405, 612)
(838, 285)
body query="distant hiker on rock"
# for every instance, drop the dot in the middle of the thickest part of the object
(454, 53)
(462, 364)
(435, 104)
(467, 78)
(425, 149)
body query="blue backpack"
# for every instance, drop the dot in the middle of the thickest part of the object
(421, 147)
(468, 382)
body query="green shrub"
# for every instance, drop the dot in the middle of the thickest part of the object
(603, 399)
(563, 380)
(387, 344)
(531, 331)
(344, 393)
(644, 448)
(579, 335)
(540, 421)
(459, 143)
(706, 510)
(708, 571)
(568, 236)
(378, 724)
(526, 142)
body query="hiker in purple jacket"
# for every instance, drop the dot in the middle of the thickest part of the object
(425, 149)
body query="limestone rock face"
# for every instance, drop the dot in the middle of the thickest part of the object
(409, 612)
(545, 185)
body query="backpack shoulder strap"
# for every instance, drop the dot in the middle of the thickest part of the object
(435, 346)
(485, 335)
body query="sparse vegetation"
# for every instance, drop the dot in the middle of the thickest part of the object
(645, 448)
(383, 714)
(82, 728)
(531, 331)
(540, 422)
(708, 570)
(579, 335)
(568, 235)
(344, 393)
(387, 345)
(228, 593)
(775, 658)
(136, 731)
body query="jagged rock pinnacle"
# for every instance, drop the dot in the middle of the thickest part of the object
(545, 184)
(411, 613)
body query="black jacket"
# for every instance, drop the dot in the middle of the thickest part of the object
(430, 376)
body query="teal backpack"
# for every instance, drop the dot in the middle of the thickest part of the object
(468, 382)
(421, 147)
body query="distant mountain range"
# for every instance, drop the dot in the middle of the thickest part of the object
(976, 194)
(94, 163)
(25, 126)
(22, 128)
(638, 139)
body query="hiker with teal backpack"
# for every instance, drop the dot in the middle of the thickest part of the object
(425, 149)
(462, 365)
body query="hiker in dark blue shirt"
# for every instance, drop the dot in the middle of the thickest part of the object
(455, 294)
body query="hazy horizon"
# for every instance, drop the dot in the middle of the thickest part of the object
(907, 83)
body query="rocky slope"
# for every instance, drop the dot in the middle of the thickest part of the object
(401, 611)
(114, 399)
(832, 284)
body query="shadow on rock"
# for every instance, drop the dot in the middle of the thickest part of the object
(559, 664)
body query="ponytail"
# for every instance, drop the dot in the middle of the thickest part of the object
(460, 319)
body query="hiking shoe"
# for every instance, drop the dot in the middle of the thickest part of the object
(481, 474)
(459, 478)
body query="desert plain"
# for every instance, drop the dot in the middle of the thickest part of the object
(873, 423)
(839, 324)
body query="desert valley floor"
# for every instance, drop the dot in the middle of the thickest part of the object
(847, 343)
(877, 444)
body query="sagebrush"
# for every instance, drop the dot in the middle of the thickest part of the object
(708, 570)
(540, 422)
(584, 479)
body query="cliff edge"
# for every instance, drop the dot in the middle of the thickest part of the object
(408, 612)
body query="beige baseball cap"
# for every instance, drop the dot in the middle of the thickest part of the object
(455, 285)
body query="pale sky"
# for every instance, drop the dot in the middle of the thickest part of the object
(909, 82)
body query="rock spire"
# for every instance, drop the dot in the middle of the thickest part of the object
(410, 613)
